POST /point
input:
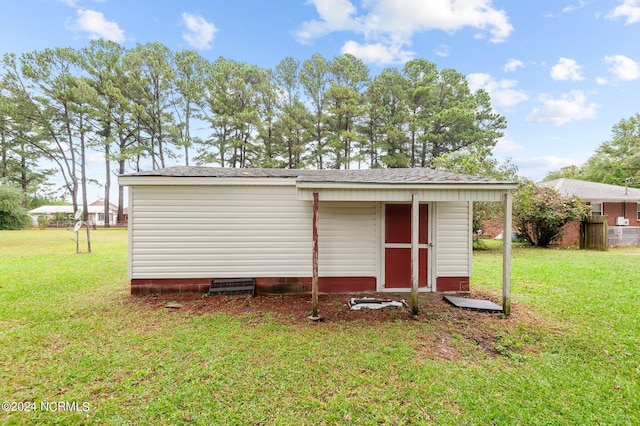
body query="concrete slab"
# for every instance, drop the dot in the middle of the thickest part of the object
(475, 304)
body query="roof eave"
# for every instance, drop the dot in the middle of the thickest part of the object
(407, 185)
(611, 199)
(132, 180)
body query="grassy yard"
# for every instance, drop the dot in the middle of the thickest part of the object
(70, 334)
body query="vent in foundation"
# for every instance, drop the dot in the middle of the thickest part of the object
(233, 286)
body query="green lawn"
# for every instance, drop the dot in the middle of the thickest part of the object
(570, 353)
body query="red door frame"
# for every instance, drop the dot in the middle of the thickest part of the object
(397, 246)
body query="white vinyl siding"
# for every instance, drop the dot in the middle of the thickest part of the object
(348, 239)
(453, 239)
(219, 231)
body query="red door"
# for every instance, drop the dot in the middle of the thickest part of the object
(397, 246)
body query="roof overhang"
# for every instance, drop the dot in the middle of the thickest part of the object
(66, 209)
(613, 200)
(343, 191)
(133, 180)
(332, 191)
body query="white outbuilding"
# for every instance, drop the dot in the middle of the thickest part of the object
(374, 230)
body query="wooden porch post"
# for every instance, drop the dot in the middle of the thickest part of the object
(506, 255)
(415, 268)
(315, 315)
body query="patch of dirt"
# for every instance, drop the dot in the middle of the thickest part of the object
(446, 332)
(291, 308)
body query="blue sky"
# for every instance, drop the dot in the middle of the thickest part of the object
(562, 72)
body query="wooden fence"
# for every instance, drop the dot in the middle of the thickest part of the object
(594, 234)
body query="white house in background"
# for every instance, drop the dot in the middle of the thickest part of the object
(190, 225)
(96, 213)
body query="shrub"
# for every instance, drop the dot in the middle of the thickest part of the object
(540, 212)
(12, 214)
(43, 223)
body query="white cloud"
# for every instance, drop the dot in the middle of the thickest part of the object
(629, 10)
(537, 168)
(502, 92)
(572, 7)
(199, 33)
(567, 9)
(624, 68)
(378, 53)
(601, 81)
(97, 26)
(335, 15)
(408, 16)
(394, 22)
(478, 80)
(74, 3)
(506, 144)
(572, 106)
(442, 51)
(566, 69)
(512, 65)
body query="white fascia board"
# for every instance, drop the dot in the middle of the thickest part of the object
(612, 200)
(202, 181)
(406, 186)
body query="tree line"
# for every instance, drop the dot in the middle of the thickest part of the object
(150, 107)
(615, 162)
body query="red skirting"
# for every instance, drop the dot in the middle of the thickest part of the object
(457, 284)
(170, 285)
(263, 285)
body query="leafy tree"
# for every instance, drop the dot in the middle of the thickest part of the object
(458, 119)
(267, 147)
(46, 200)
(80, 93)
(249, 92)
(234, 94)
(345, 108)
(421, 76)
(19, 161)
(190, 69)
(540, 212)
(142, 103)
(215, 109)
(385, 121)
(152, 85)
(569, 172)
(617, 161)
(479, 162)
(12, 214)
(43, 84)
(103, 62)
(293, 120)
(315, 77)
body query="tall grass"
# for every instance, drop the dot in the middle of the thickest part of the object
(69, 332)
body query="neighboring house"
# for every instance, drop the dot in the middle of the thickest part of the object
(95, 210)
(190, 225)
(620, 204)
(113, 208)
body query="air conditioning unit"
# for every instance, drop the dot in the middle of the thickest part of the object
(621, 221)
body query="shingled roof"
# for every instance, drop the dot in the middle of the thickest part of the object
(593, 191)
(358, 176)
